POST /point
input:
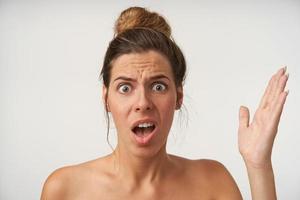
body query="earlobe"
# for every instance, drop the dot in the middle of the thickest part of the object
(179, 98)
(107, 107)
(178, 104)
(104, 98)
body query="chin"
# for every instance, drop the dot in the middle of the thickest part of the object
(147, 152)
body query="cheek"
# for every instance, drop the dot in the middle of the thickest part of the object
(119, 110)
(167, 108)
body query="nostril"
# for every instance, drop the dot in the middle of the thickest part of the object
(142, 108)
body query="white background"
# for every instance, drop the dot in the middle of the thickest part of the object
(51, 112)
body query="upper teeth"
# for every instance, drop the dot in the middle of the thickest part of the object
(145, 125)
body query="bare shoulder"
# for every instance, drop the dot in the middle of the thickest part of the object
(66, 182)
(212, 168)
(55, 187)
(210, 177)
(221, 182)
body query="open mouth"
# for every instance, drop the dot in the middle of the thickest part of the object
(143, 129)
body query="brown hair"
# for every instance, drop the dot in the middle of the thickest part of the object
(138, 30)
(140, 17)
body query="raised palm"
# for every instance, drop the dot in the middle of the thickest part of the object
(256, 139)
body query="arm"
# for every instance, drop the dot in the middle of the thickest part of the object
(256, 139)
(262, 182)
(55, 186)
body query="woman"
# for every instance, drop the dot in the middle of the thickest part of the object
(143, 74)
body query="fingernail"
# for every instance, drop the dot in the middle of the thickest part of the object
(284, 69)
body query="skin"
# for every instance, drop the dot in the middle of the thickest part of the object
(256, 138)
(135, 171)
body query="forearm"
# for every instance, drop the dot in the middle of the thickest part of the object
(256, 138)
(262, 182)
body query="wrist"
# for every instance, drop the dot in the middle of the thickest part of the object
(259, 165)
(262, 180)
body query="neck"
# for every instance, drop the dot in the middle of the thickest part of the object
(138, 169)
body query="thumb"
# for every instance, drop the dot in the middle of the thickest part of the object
(243, 117)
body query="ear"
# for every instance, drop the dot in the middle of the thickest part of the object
(179, 97)
(104, 98)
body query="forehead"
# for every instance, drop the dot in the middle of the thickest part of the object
(135, 64)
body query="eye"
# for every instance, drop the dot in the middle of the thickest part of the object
(159, 87)
(124, 88)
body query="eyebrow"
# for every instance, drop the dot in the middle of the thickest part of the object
(131, 79)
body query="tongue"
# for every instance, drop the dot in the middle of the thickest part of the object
(142, 132)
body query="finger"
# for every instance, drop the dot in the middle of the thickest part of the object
(243, 117)
(279, 107)
(278, 75)
(280, 88)
(267, 97)
(267, 93)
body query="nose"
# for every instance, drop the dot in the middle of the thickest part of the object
(143, 102)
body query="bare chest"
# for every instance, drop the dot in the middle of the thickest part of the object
(173, 190)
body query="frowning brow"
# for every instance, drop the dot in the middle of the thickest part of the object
(124, 78)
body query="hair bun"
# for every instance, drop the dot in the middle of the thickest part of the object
(134, 17)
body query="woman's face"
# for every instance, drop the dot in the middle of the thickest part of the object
(142, 99)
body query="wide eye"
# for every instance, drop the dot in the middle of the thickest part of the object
(124, 88)
(159, 87)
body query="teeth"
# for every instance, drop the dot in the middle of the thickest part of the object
(145, 125)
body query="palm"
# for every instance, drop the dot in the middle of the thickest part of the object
(256, 139)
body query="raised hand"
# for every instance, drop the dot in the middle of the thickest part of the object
(256, 139)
